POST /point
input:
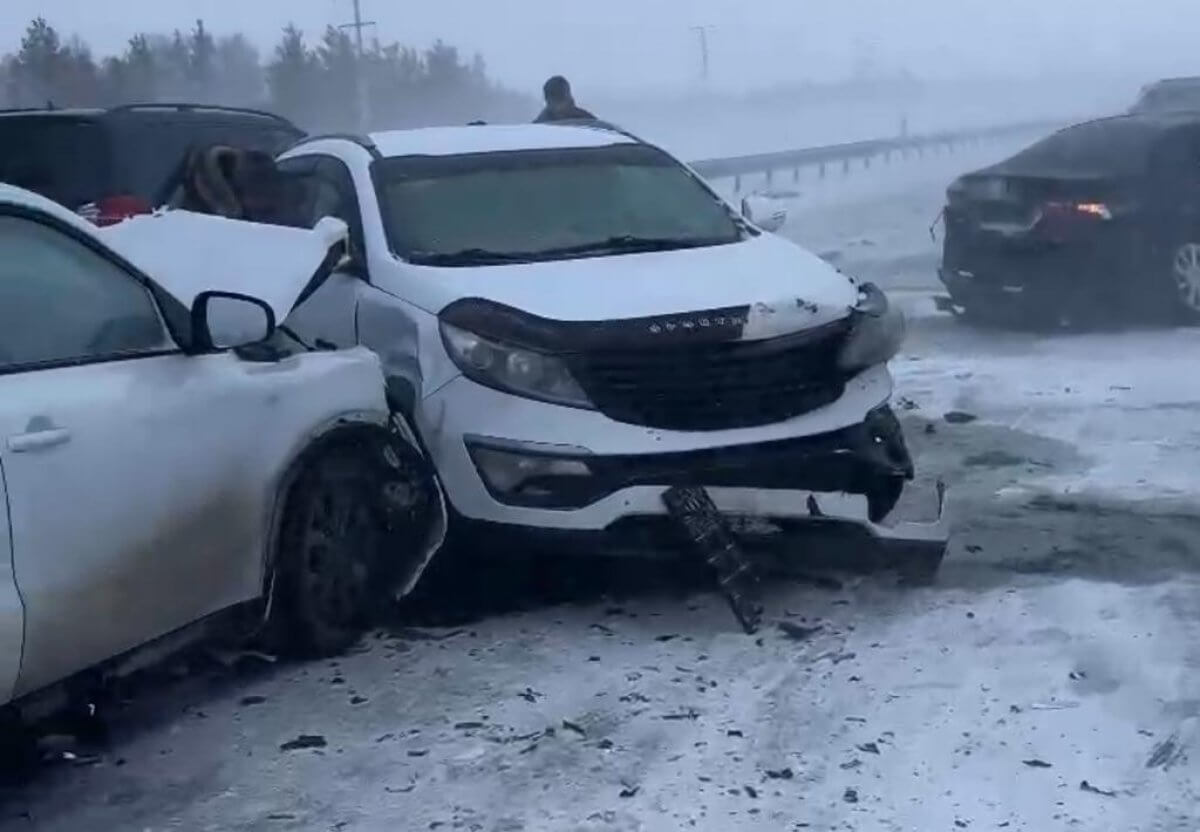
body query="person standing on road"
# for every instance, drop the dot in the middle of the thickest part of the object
(560, 103)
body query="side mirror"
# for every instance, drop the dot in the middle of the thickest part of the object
(227, 320)
(764, 212)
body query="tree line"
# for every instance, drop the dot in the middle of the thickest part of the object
(321, 85)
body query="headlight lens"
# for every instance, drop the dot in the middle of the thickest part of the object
(878, 332)
(512, 369)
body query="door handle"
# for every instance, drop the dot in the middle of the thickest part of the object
(38, 440)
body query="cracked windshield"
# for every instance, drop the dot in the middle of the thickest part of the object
(618, 416)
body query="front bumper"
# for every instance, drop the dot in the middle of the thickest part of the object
(586, 476)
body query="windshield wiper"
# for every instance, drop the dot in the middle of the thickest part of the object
(633, 243)
(468, 257)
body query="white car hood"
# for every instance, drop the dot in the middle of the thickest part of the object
(786, 287)
(187, 253)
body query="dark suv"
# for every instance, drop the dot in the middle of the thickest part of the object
(110, 164)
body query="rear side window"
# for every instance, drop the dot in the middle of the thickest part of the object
(151, 149)
(59, 157)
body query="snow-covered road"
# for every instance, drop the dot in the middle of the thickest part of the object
(1050, 681)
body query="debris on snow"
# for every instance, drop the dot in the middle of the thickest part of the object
(959, 417)
(1036, 763)
(779, 774)
(868, 748)
(304, 741)
(850, 795)
(573, 728)
(796, 632)
(1085, 786)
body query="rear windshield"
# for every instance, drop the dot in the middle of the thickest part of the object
(60, 157)
(1105, 147)
(1170, 97)
(151, 147)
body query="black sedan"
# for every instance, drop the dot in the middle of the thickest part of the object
(1098, 221)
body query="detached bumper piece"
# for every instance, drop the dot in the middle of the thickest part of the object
(713, 539)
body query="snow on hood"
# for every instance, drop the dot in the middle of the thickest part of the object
(786, 287)
(187, 253)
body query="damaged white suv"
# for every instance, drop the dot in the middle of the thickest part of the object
(574, 322)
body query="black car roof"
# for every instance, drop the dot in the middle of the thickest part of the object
(175, 108)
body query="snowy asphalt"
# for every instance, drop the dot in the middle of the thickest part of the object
(1051, 680)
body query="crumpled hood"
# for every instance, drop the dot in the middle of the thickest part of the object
(787, 287)
(187, 253)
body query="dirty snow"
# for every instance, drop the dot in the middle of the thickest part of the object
(1061, 648)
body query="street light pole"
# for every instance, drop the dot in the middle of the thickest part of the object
(702, 33)
(364, 102)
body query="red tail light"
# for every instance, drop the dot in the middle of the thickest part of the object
(112, 209)
(1079, 210)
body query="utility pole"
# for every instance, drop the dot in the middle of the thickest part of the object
(702, 33)
(364, 103)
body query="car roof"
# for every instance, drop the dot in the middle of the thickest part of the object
(1150, 120)
(494, 138)
(21, 198)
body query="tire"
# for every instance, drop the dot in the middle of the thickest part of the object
(918, 565)
(1185, 282)
(18, 748)
(353, 520)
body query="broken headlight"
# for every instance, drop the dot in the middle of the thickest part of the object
(876, 334)
(522, 372)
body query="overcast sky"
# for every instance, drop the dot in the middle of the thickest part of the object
(620, 44)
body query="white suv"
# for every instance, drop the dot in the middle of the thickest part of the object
(592, 323)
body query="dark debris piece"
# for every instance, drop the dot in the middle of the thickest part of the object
(1035, 763)
(959, 417)
(629, 791)
(751, 792)
(798, 632)
(780, 774)
(850, 795)
(571, 726)
(1085, 786)
(868, 748)
(304, 741)
(252, 700)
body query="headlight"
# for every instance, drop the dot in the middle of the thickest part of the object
(877, 334)
(514, 370)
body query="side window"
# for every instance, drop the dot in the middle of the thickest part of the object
(62, 302)
(329, 192)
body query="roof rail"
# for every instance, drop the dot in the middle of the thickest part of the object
(358, 138)
(184, 106)
(597, 124)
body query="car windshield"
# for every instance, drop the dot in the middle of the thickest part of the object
(1111, 146)
(547, 204)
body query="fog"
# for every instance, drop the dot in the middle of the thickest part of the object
(627, 45)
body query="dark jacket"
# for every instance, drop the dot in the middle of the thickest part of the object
(568, 112)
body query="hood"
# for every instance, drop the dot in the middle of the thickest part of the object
(786, 287)
(187, 253)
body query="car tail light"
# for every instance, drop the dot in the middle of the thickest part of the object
(1078, 210)
(112, 209)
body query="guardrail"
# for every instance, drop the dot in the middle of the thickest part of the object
(845, 154)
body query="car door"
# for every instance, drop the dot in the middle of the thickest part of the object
(12, 615)
(135, 503)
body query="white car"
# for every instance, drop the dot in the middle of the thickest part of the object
(574, 322)
(162, 461)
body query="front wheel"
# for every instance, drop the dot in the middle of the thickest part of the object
(1185, 282)
(352, 522)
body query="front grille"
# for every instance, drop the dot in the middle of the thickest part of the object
(719, 386)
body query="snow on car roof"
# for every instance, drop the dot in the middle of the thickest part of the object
(491, 138)
(12, 195)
